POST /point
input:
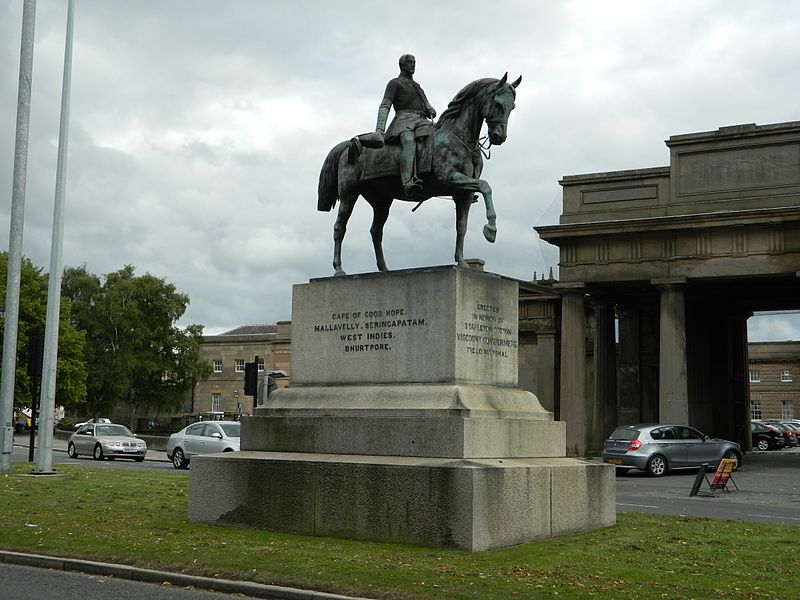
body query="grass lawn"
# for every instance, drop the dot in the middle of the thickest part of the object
(139, 518)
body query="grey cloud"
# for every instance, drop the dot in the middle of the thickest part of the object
(185, 162)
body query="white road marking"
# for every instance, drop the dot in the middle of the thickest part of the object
(775, 517)
(639, 505)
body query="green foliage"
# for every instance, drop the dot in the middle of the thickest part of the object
(137, 354)
(66, 424)
(144, 524)
(71, 374)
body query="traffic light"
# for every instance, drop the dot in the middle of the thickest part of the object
(251, 378)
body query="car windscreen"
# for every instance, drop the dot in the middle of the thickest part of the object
(625, 433)
(112, 430)
(231, 429)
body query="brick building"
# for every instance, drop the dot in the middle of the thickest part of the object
(774, 379)
(227, 354)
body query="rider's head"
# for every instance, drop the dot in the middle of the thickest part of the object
(408, 64)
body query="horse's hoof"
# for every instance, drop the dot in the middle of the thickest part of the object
(490, 233)
(339, 273)
(383, 268)
(463, 264)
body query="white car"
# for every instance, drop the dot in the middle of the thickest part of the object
(205, 437)
(106, 441)
(100, 420)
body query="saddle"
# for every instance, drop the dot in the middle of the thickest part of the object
(381, 160)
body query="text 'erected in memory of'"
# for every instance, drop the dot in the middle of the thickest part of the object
(486, 333)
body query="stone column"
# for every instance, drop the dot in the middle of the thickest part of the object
(673, 394)
(740, 381)
(576, 411)
(629, 388)
(546, 370)
(605, 361)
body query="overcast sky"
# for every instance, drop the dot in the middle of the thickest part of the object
(198, 128)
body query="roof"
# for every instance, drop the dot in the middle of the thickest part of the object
(252, 330)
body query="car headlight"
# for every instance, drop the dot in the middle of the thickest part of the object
(113, 443)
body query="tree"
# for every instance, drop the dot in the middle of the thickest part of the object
(137, 354)
(71, 365)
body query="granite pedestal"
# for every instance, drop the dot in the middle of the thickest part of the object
(404, 424)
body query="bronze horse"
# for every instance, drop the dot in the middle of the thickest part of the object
(455, 169)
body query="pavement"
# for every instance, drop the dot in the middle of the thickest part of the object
(226, 586)
(23, 440)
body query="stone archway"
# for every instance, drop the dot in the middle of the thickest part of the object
(681, 256)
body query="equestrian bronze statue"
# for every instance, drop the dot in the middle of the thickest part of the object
(447, 160)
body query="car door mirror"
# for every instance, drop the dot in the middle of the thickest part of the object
(217, 435)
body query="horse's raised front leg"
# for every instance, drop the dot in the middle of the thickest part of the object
(346, 205)
(463, 202)
(469, 184)
(380, 212)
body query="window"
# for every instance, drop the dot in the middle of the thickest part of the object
(787, 409)
(786, 376)
(755, 409)
(238, 365)
(195, 429)
(216, 365)
(216, 402)
(260, 365)
(755, 376)
(687, 433)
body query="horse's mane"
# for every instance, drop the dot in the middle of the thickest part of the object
(466, 93)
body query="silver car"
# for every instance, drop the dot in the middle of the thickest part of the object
(205, 437)
(659, 448)
(106, 440)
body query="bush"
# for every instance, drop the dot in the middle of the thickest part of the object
(66, 424)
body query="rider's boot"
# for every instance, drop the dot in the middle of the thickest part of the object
(411, 185)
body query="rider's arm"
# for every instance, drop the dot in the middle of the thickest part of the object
(431, 111)
(383, 109)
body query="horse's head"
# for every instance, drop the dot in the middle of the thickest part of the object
(497, 107)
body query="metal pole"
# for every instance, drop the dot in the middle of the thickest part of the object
(44, 450)
(15, 236)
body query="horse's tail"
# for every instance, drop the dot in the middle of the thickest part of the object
(328, 189)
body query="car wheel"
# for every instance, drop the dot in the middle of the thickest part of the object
(656, 466)
(71, 452)
(139, 459)
(178, 459)
(734, 455)
(762, 444)
(98, 452)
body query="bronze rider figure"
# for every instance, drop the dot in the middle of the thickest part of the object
(412, 111)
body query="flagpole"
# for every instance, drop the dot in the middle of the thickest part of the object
(44, 450)
(14, 272)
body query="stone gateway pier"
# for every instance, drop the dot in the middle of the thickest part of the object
(404, 424)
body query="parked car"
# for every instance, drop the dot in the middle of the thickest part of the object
(789, 438)
(106, 441)
(205, 437)
(659, 448)
(100, 420)
(766, 437)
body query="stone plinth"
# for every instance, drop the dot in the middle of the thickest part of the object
(437, 325)
(403, 423)
(474, 505)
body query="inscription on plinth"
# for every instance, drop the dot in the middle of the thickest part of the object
(440, 325)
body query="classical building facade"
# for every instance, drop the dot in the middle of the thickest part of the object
(774, 377)
(672, 261)
(227, 354)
